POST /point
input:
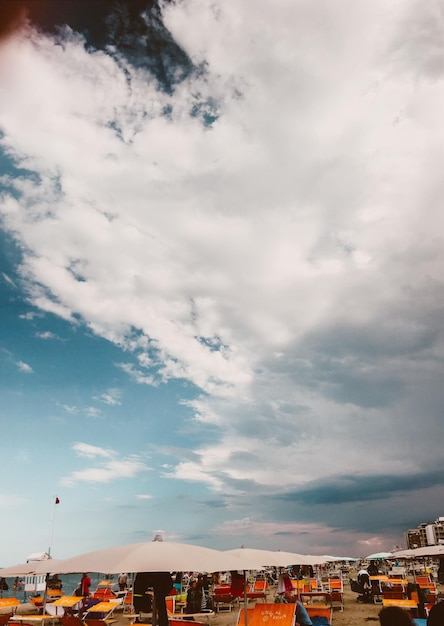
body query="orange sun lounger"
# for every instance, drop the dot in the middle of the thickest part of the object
(269, 615)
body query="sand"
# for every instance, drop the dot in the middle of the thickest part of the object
(353, 614)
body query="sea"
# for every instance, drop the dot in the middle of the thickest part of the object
(69, 583)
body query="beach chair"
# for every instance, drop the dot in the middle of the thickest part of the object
(184, 617)
(403, 603)
(271, 615)
(301, 585)
(104, 594)
(428, 587)
(53, 594)
(4, 618)
(241, 617)
(422, 579)
(258, 590)
(71, 620)
(95, 622)
(394, 589)
(128, 606)
(318, 604)
(222, 598)
(9, 603)
(102, 611)
(65, 603)
(336, 589)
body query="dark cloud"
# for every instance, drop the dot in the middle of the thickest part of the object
(133, 28)
(379, 338)
(367, 365)
(355, 488)
(145, 41)
(215, 504)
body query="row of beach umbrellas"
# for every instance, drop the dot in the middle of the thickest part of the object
(163, 556)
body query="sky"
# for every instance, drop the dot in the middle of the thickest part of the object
(221, 279)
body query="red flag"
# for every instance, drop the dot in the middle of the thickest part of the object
(57, 500)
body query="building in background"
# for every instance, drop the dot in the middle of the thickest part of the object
(427, 534)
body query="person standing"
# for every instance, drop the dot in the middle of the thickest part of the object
(85, 584)
(194, 598)
(161, 583)
(123, 581)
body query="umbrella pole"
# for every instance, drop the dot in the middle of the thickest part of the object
(245, 599)
(154, 608)
(44, 594)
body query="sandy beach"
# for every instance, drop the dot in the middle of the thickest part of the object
(353, 614)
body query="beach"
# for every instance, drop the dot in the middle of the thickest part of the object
(353, 613)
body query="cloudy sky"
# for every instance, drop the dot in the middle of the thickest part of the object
(221, 273)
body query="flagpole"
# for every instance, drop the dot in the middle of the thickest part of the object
(51, 526)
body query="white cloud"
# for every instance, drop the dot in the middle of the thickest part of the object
(24, 367)
(107, 472)
(8, 279)
(89, 451)
(47, 334)
(266, 529)
(108, 466)
(73, 410)
(111, 397)
(92, 411)
(30, 315)
(137, 375)
(286, 261)
(143, 496)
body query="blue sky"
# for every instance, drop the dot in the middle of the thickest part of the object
(221, 274)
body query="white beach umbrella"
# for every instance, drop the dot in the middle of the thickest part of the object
(437, 550)
(313, 559)
(153, 556)
(379, 555)
(416, 553)
(404, 554)
(48, 566)
(303, 559)
(332, 559)
(255, 559)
